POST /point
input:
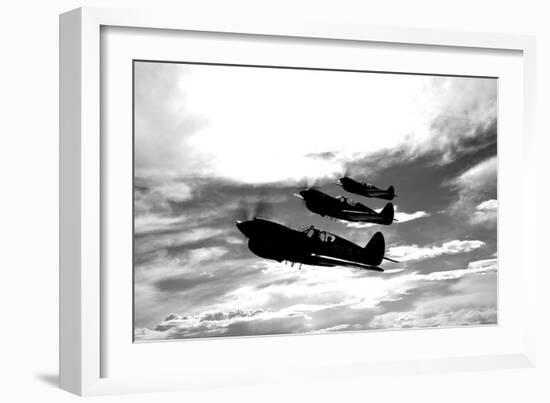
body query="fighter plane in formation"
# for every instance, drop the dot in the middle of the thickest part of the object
(344, 208)
(365, 189)
(311, 246)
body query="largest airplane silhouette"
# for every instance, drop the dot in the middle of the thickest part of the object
(311, 246)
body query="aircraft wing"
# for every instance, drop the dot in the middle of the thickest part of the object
(343, 262)
(360, 215)
(361, 212)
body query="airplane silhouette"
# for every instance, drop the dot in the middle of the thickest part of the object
(344, 208)
(311, 246)
(365, 189)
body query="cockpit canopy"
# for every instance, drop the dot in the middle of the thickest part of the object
(368, 185)
(323, 236)
(344, 199)
(348, 201)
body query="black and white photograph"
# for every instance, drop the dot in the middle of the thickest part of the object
(273, 200)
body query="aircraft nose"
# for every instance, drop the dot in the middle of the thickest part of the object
(245, 227)
(304, 193)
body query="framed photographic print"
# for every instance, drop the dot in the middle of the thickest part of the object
(214, 200)
(237, 197)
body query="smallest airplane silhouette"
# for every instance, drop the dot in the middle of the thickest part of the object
(365, 189)
(344, 208)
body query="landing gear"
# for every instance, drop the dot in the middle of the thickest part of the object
(291, 263)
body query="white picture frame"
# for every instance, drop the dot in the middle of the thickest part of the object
(82, 184)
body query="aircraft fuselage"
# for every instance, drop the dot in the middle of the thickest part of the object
(367, 190)
(270, 240)
(343, 208)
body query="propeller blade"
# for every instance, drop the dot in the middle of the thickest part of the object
(252, 207)
(261, 209)
(242, 212)
(346, 171)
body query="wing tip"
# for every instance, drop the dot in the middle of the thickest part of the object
(378, 269)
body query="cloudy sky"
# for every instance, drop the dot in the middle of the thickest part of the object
(212, 141)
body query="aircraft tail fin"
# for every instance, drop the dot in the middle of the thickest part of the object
(391, 191)
(387, 213)
(374, 250)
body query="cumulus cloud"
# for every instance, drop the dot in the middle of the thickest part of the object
(152, 195)
(485, 213)
(238, 322)
(444, 318)
(357, 224)
(153, 222)
(404, 217)
(152, 198)
(475, 184)
(362, 306)
(477, 267)
(467, 118)
(415, 252)
(483, 265)
(479, 176)
(163, 241)
(469, 298)
(488, 205)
